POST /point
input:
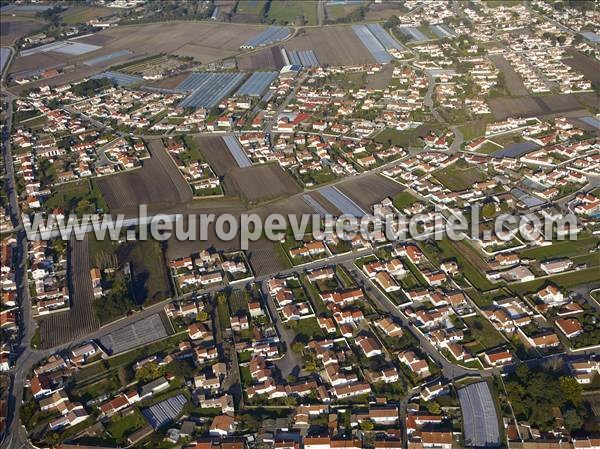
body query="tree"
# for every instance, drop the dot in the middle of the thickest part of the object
(202, 316)
(434, 408)
(149, 372)
(297, 348)
(367, 425)
(572, 420)
(392, 22)
(571, 389)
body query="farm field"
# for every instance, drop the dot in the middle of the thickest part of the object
(268, 58)
(205, 39)
(14, 28)
(285, 12)
(369, 189)
(513, 81)
(583, 64)
(80, 319)
(253, 184)
(382, 11)
(261, 183)
(334, 45)
(334, 12)
(217, 154)
(530, 106)
(150, 280)
(456, 178)
(81, 14)
(157, 182)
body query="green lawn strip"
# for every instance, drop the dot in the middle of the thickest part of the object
(457, 179)
(282, 255)
(344, 277)
(465, 255)
(566, 280)
(317, 302)
(564, 248)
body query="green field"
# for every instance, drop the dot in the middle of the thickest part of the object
(456, 178)
(470, 263)
(253, 7)
(335, 12)
(484, 333)
(404, 200)
(79, 197)
(407, 138)
(121, 427)
(565, 248)
(286, 11)
(150, 281)
(79, 14)
(566, 280)
(488, 148)
(474, 128)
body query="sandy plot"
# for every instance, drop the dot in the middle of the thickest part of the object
(157, 182)
(333, 45)
(514, 83)
(370, 189)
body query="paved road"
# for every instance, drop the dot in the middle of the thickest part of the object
(26, 323)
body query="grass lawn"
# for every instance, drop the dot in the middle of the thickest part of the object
(562, 248)
(488, 148)
(474, 128)
(282, 255)
(306, 329)
(150, 281)
(223, 312)
(81, 197)
(286, 11)
(404, 200)
(250, 7)
(335, 12)
(83, 14)
(483, 332)
(457, 179)
(121, 427)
